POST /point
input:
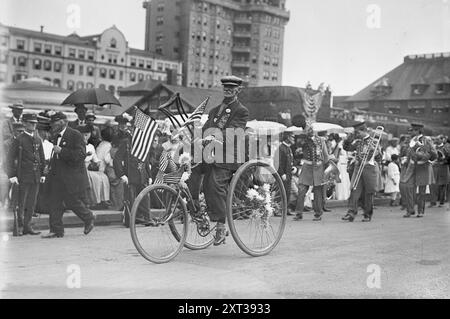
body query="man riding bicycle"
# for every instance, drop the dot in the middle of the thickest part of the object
(230, 114)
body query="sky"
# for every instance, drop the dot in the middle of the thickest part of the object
(347, 44)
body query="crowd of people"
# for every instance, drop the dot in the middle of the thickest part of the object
(51, 164)
(398, 164)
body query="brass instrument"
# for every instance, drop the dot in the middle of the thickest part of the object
(332, 173)
(374, 144)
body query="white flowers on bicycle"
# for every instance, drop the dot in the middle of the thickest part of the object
(260, 201)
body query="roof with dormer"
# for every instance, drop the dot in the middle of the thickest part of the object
(427, 70)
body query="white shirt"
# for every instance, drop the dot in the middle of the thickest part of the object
(61, 135)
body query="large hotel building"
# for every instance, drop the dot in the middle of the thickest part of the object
(74, 62)
(216, 38)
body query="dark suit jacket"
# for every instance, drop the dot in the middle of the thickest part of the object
(32, 162)
(8, 129)
(286, 160)
(233, 116)
(75, 124)
(68, 167)
(137, 172)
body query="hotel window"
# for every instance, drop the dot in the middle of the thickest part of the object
(113, 43)
(275, 61)
(160, 7)
(72, 53)
(89, 85)
(159, 20)
(160, 66)
(80, 85)
(274, 76)
(121, 75)
(132, 77)
(81, 54)
(57, 67)
(20, 44)
(58, 50)
(37, 47)
(140, 77)
(276, 48)
(91, 55)
(22, 61)
(159, 49)
(148, 77)
(48, 49)
(70, 85)
(37, 64)
(166, 66)
(112, 74)
(81, 69)
(159, 37)
(90, 71)
(133, 62)
(149, 64)
(253, 74)
(71, 68)
(57, 82)
(141, 63)
(102, 73)
(442, 88)
(47, 65)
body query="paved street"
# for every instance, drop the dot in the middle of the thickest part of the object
(328, 259)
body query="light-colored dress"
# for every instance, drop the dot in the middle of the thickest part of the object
(98, 181)
(393, 175)
(343, 188)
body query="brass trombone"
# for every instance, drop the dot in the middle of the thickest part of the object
(374, 144)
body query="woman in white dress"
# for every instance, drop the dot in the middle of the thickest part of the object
(343, 188)
(98, 194)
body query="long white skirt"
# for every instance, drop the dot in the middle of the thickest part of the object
(343, 188)
(99, 187)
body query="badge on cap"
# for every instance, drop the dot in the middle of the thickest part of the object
(228, 110)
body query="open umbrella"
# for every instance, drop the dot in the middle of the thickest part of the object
(265, 127)
(329, 127)
(96, 96)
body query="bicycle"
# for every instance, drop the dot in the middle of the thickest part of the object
(164, 217)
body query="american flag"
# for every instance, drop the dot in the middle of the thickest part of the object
(198, 113)
(145, 128)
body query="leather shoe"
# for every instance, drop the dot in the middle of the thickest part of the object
(52, 235)
(221, 235)
(298, 217)
(326, 210)
(31, 232)
(348, 217)
(407, 215)
(89, 227)
(366, 219)
(317, 219)
(419, 216)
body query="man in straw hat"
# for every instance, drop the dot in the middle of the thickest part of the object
(17, 110)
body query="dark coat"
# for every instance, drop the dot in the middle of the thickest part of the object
(75, 124)
(68, 167)
(234, 115)
(419, 170)
(285, 161)
(32, 164)
(137, 172)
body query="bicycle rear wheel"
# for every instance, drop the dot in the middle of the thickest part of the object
(156, 212)
(256, 235)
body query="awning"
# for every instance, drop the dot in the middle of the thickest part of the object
(416, 107)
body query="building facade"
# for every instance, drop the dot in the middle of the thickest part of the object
(417, 90)
(73, 62)
(217, 38)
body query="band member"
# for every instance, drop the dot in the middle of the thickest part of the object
(441, 172)
(68, 180)
(315, 159)
(363, 144)
(8, 127)
(418, 172)
(285, 164)
(26, 163)
(404, 146)
(217, 175)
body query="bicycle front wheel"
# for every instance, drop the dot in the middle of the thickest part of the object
(255, 232)
(157, 211)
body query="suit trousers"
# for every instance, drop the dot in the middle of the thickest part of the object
(27, 202)
(317, 203)
(367, 186)
(410, 199)
(438, 193)
(216, 182)
(73, 201)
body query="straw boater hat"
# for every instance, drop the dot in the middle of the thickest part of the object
(17, 105)
(30, 118)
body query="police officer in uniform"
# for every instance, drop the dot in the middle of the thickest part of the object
(419, 171)
(26, 163)
(361, 142)
(131, 171)
(286, 162)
